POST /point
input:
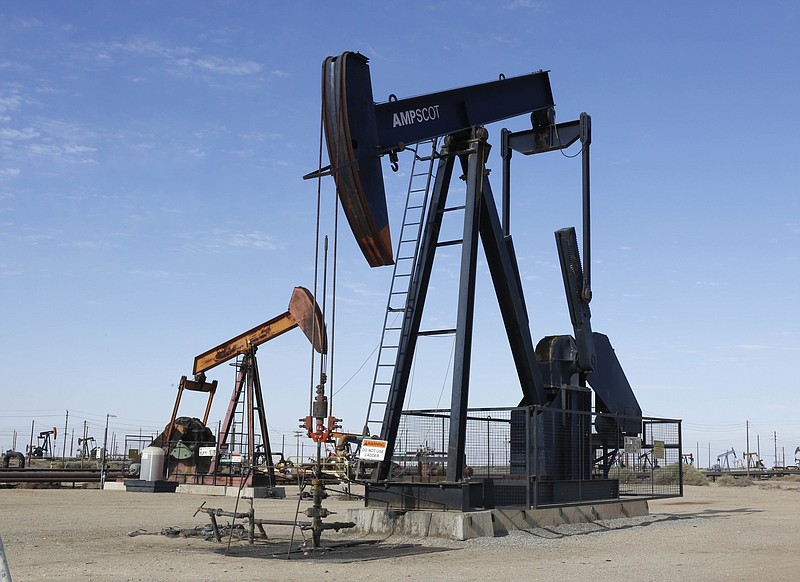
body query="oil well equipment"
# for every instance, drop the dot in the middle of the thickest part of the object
(241, 454)
(578, 418)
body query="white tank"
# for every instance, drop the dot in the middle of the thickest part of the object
(152, 464)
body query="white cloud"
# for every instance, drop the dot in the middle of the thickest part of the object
(222, 66)
(535, 5)
(197, 152)
(9, 173)
(256, 240)
(160, 274)
(261, 136)
(141, 46)
(185, 57)
(29, 235)
(11, 65)
(10, 103)
(69, 153)
(224, 239)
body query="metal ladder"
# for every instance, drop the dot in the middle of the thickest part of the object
(419, 186)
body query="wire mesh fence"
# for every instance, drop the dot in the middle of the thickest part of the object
(538, 457)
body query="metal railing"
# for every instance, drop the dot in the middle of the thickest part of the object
(539, 457)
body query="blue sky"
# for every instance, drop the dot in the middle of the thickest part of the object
(152, 202)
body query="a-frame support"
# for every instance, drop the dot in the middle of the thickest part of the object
(481, 220)
(249, 382)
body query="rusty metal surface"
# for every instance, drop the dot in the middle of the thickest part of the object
(351, 137)
(303, 312)
(308, 316)
(235, 346)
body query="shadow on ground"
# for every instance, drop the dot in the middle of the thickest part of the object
(334, 552)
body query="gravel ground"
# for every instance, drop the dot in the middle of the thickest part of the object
(712, 533)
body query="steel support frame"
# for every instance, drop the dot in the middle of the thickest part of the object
(481, 220)
(248, 381)
(547, 139)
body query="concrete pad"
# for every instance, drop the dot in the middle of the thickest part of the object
(222, 490)
(441, 524)
(258, 492)
(458, 525)
(512, 519)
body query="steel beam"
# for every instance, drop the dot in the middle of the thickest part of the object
(473, 164)
(415, 303)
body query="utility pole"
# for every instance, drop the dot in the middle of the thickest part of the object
(82, 443)
(64, 447)
(103, 456)
(775, 443)
(30, 446)
(747, 451)
(297, 434)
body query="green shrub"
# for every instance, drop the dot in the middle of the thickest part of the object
(789, 479)
(731, 481)
(666, 475)
(693, 476)
(726, 481)
(622, 474)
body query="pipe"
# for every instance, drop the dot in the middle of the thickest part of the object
(54, 476)
(11, 455)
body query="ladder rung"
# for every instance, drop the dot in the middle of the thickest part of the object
(416, 199)
(437, 332)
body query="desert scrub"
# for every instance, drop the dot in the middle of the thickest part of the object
(730, 481)
(668, 475)
(693, 476)
(789, 479)
(622, 474)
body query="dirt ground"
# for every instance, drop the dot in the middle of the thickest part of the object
(712, 533)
